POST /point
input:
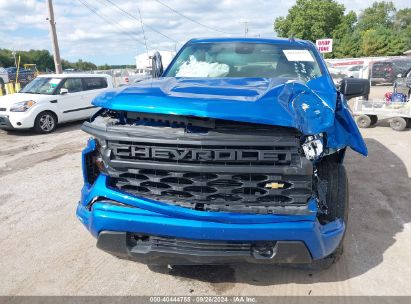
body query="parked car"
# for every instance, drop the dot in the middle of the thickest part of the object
(386, 71)
(4, 77)
(403, 83)
(353, 71)
(336, 73)
(52, 99)
(24, 75)
(234, 154)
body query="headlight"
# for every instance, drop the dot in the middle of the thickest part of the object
(22, 106)
(313, 147)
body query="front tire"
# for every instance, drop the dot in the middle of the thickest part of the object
(334, 173)
(45, 122)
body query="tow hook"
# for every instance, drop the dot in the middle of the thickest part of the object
(264, 251)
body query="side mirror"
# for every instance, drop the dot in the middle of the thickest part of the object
(63, 91)
(156, 65)
(354, 87)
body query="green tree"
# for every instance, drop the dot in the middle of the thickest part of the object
(405, 37)
(346, 39)
(382, 42)
(402, 24)
(346, 26)
(348, 46)
(6, 58)
(104, 67)
(65, 64)
(42, 58)
(310, 19)
(84, 65)
(379, 30)
(379, 14)
(403, 18)
(385, 31)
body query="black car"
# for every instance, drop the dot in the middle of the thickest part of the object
(386, 71)
(403, 83)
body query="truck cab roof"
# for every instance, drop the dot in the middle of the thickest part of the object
(270, 40)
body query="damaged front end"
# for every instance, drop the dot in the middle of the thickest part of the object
(253, 173)
(208, 165)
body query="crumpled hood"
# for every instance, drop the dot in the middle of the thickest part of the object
(312, 108)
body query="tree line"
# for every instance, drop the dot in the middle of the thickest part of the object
(379, 30)
(45, 63)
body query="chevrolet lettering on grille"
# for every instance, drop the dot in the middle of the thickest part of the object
(188, 154)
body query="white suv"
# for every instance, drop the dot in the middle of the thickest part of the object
(52, 99)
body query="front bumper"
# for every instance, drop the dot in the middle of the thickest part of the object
(5, 123)
(160, 251)
(138, 215)
(17, 120)
(111, 215)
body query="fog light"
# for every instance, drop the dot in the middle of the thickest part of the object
(313, 147)
(264, 251)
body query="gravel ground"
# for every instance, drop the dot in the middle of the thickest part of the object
(46, 251)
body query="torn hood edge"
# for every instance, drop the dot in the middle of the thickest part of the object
(313, 108)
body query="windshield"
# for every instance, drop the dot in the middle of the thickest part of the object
(251, 60)
(42, 85)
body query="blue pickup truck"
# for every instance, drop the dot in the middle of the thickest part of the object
(233, 154)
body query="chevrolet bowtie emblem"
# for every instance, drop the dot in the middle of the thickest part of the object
(274, 185)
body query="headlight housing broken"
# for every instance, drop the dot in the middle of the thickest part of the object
(313, 146)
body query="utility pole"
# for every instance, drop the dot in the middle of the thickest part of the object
(144, 33)
(245, 27)
(56, 51)
(14, 56)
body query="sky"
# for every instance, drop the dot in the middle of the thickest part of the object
(109, 31)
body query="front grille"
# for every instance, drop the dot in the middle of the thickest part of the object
(257, 169)
(263, 155)
(2, 109)
(247, 192)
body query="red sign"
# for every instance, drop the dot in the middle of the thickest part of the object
(324, 45)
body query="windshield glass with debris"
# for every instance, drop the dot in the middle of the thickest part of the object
(42, 85)
(250, 60)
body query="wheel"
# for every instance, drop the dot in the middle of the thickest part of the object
(45, 122)
(398, 124)
(364, 121)
(374, 119)
(337, 203)
(373, 83)
(336, 197)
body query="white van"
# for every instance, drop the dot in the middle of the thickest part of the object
(52, 99)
